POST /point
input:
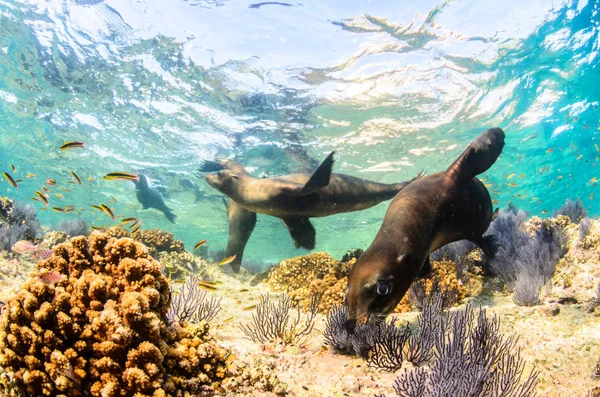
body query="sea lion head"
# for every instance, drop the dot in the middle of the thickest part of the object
(375, 286)
(228, 176)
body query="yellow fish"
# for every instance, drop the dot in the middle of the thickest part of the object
(510, 176)
(178, 281)
(30, 175)
(591, 196)
(495, 201)
(559, 177)
(580, 157)
(596, 145)
(544, 212)
(512, 184)
(521, 176)
(488, 184)
(593, 181)
(227, 260)
(550, 150)
(199, 244)
(248, 308)
(60, 196)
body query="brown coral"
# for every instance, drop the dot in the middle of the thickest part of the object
(179, 264)
(100, 329)
(159, 241)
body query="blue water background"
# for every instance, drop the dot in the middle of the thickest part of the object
(393, 86)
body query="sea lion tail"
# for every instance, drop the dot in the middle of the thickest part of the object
(479, 156)
(169, 214)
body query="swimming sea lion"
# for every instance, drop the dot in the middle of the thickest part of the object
(426, 215)
(296, 198)
(151, 198)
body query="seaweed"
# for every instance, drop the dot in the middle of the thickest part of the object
(191, 304)
(271, 322)
(470, 358)
(17, 222)
(573, 209)
(74, 227)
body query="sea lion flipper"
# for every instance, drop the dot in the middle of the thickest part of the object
(319, 178)
(426, 268)
(488, 244)
(211, 166)
(302, 231)
(478, 157)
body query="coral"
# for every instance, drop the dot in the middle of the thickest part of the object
(74, 227)
(359, 341)
(585, 229)
(470, 358)
(298, 272)
(52, 239)
(159, 241)
(99, 328)
(117, 232)
(349, 255)
(443, 278)
(248, 380)
(178, 264)
(273, 322)
(509, 229)
(573, 209)
(190, 303)
(17, 222)
(456, 252)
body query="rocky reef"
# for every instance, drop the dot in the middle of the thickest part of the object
(91, 321)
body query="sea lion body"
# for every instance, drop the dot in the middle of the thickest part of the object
(294, 198)
(424, 216)
(151, 198)
(344, 193)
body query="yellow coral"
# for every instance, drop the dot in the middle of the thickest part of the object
(100, 330)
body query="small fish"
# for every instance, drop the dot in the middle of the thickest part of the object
(488, 184)
(13, 168)
(97, 228)
(64, 210)
(544, 169)
(593, 181)
(580, 157)
(23, 246)
(129, 220)
(136, 227)
(550, 150)
(512, 184)
(90, 178)
(305, 388)
(199, 244)
(41, 254)
(50, 182)
(107, 211)
(30, 175)
(97, 207)
(207, 287)
(114, 199)
(178, 281)
(544, 212)
(510, 176)
(18, 180)
(559, 177)
(495, 201)
(10, 180)
(597, 147)
(42, 197)
(248, 308)
(534, 135)
(124, 176)
(72, 145)
(228, 320)
(521, 176)
(591, 196)
(35, 199)
(244, 290)
(227, 260)
(60, 196)
(77, 179)
(4, 201)
(176, 293)
(51, 277)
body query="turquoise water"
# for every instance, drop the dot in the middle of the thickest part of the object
(393, 87)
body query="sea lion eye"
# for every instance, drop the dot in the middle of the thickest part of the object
(383, 288)
(234, 176)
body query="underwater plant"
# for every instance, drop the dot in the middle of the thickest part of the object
(573, 209)
(585, 228)
(74, 227)
(272, 322)
(18, 221)
(191, 304)
(469, 358)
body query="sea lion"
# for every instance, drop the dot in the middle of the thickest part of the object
(151, 198)
(426, 215)
(296, 198)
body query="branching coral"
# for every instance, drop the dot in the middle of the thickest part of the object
(271, 322)
(91, 322)
(442, 278)
(191, 304)
(158, 241)
(298, 272)
(17, 222)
